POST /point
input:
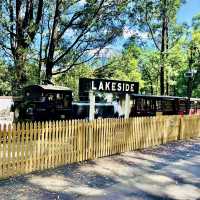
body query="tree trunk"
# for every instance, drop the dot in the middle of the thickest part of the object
(48, 74)
(20, 75)
(163, 49)
(151, 88)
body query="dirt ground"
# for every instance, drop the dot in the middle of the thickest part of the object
(169, 171)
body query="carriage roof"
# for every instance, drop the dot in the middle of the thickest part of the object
(46, 88)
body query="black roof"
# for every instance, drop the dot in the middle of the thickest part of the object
(158, 97)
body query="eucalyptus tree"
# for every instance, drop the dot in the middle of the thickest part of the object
(158, 19)
(74, 32)
(56, 35)
(194, 54)
(124, 66)
(149, 66)
(19, 24)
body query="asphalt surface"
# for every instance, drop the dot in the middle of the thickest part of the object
(169, 171)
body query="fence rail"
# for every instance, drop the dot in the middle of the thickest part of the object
(28, 147)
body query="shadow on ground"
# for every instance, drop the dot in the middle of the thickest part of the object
(169, 171)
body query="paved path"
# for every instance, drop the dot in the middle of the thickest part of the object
(170, 171)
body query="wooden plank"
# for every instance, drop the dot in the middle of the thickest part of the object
(9, 161)
(53, 133)
(31, 147)
(70, 150)
(23, 148)
(102, 122)
(101, 137)
(86, 140)
(56, 150)
(18, 149)
(5, 170)
(95, 140)
(39, 130)
(134, 132)
(108, 137)
(34, 159)
(72, 142)
(78, 141)
(63, 142)
(41, 158)
(112, 137)
(46, 145)
(131, 134)
(66, 140)
(26, 147)
(75, 134)
(81, 140)
(13, 149)
(59, 145)
(60, 142)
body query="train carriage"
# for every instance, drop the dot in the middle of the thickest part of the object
(49, 102)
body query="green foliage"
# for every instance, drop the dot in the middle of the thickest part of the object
(5, 80)
(149, 62)
(71, 78)
(123, 67)
(71, 30)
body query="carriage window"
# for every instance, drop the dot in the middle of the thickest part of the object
(59, 96)
(182, 105)
(168, 105)
(51, 97)
(67, 100)
(159, 105)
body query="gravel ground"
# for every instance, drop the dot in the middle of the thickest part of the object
(169, 171)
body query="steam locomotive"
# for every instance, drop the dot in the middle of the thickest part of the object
(49, 102)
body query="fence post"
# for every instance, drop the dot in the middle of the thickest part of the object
(127, 106)
(92, 105)
(180, 132)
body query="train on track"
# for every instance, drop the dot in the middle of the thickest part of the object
(49, 102)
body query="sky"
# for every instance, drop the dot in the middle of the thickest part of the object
(185, 14)
(188, 10)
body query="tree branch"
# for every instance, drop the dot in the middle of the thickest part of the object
(81, 34)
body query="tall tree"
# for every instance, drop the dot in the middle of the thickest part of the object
(158, 18)
(123, 67)
(19, 25)
(76, 31)
(149, 62)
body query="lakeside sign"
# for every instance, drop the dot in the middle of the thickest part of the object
(103, 85)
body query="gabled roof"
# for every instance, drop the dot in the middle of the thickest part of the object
(54, 87)
(49, 87)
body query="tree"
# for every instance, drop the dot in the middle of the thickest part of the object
(123, 67)
(71, 78)
(57, 35)
(20, 22)
(74, 32)
(149, 62)
(194, 55)
(5, 79)
(158, 18)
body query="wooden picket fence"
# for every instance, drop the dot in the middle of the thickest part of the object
(29, 147)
